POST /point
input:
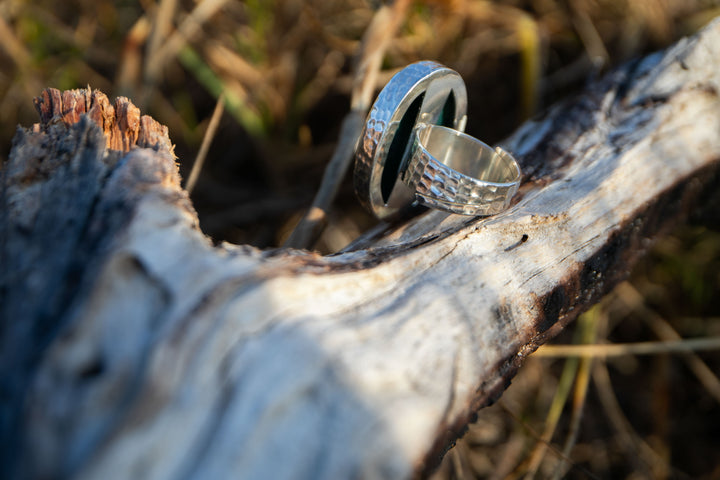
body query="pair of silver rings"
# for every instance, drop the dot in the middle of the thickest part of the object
(412, 150)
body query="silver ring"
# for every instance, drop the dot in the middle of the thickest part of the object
(455, 172)
(412, 150)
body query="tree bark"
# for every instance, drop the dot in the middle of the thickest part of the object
(133, 347)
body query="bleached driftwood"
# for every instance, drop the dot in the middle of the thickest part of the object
(133, 348)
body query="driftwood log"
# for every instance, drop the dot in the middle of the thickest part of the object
(131, 347)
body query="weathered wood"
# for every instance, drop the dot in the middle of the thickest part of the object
(130, 344)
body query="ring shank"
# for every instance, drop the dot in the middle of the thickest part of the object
(455, 172)
(422, 92)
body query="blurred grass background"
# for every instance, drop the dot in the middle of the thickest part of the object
(285, 71)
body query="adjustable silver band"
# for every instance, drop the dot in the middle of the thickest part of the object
(421, 92)
(457, 173)
(412, 150)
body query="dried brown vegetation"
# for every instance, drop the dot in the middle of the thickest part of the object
(287, 73)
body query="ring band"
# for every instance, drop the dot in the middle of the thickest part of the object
(412, 150)
(457, 173)
(425, 91)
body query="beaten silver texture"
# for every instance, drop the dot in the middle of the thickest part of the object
(457, 173)
(434, 82)
(435, 166)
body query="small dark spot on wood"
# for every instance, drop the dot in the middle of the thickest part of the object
(93, 369)
(709, 88)
(522, 240)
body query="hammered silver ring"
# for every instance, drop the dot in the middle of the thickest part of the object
(413, 150)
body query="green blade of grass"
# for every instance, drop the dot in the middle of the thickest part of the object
(244, 115)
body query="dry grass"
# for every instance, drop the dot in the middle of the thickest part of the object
(286, 72)
(628, 391)
(290, 70)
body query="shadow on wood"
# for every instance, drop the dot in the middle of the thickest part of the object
(131, 344)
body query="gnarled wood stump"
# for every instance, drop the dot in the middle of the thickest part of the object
(133, 347)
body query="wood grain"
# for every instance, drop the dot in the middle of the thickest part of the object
(133, 347)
